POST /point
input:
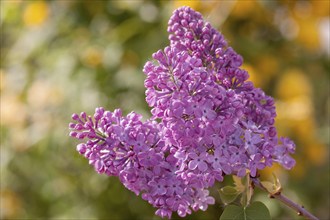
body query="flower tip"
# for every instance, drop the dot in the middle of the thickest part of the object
(73, 134)
(75, 116)
(81, 148)
(72, 125)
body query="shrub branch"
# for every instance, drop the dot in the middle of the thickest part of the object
(279, 196)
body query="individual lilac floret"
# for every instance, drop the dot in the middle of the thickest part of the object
(207, 121)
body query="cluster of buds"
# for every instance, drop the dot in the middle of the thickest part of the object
(207, 121)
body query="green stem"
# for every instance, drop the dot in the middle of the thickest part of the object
(248, 191)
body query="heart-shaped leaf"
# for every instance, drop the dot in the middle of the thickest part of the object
(255, 211)
(228, 194)
(232, 212)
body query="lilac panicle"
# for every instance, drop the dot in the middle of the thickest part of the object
(207, 121)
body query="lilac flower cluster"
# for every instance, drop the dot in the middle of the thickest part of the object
(207, 121)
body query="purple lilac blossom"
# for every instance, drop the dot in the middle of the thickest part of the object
(207, 121)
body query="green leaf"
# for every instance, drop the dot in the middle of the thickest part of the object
(232, 212)
(238, 183)
(277, 182)
(255, 211)
(272, 187)
(228, 194)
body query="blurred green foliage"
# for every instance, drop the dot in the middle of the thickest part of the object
(60, 57)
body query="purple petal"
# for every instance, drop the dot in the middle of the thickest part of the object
(202, 166)
(192, 164)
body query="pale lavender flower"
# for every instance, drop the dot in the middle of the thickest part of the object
(198, 161)
(203, 200)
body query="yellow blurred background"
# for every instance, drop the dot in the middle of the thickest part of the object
(60, 57)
